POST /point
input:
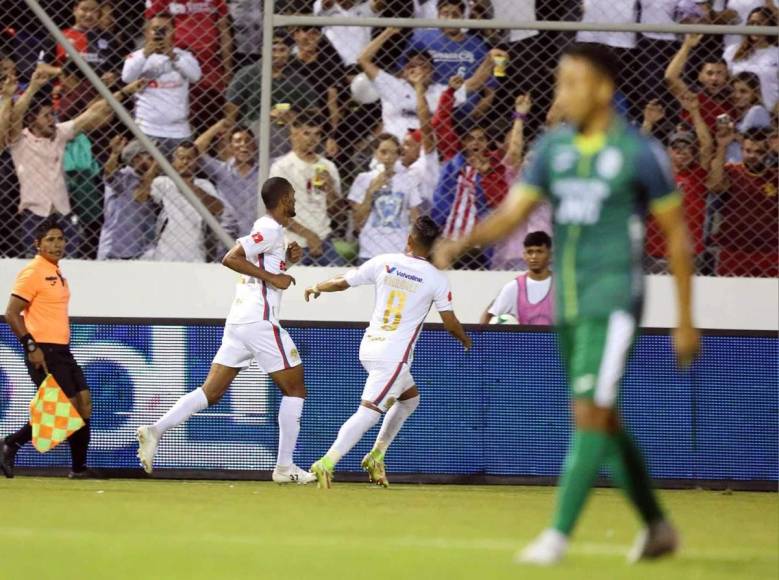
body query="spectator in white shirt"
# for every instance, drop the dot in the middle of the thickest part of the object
(758, 54)
(385, 202)
(398, 96)
(349, 41)
(162, 110)
(180, 235)
(317, 186)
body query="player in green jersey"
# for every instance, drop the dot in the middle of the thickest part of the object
(602, 178)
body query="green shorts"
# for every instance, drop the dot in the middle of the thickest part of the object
(595, 351)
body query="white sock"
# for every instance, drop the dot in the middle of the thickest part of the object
(290, 410)
(352, 431)
(184, 408)
(393, 421)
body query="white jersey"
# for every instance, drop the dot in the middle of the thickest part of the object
(256, 300)
(406, 288)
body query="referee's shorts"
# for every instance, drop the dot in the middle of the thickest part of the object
(62, 366)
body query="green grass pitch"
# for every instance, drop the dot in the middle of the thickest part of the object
(147, 529)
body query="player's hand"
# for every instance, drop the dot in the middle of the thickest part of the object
(38, 360)
(294, 253)
(687, 344)
(312, 292)
(282, 281)
(445, 252)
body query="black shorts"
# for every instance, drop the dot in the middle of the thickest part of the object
(63, 366)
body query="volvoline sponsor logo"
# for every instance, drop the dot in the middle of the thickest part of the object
(393, 270)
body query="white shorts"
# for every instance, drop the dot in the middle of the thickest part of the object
(266, 342)
(386, 382)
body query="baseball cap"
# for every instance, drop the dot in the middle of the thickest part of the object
(683, 137)
(131, 150)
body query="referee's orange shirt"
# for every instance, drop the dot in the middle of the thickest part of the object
(41, 284)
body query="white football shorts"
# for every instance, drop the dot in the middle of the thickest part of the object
(386, 382)
(267, 343)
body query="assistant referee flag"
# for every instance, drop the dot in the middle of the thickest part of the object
(52, 416)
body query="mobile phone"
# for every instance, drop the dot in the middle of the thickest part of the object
(724, 120)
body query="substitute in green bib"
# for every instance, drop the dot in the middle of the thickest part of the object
(603, 179)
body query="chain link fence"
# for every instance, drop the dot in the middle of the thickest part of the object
(372, 125)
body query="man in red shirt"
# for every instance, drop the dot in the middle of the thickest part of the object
(203, 28)
(713, 95)
(748, 235)
(98, 47)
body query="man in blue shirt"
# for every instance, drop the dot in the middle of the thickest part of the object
(454, 52)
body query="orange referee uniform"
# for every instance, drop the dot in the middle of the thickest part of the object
(47, 294)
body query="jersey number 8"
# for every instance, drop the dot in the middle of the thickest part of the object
(396, 301)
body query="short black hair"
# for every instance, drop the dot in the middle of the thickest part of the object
(38, 103)
(713, 58)
(273, 190)
(416, 52)
(425, 232)
(758, 134)
(599, 56)
(50, 223)
(458, 3)
(382, 137)
(308, 118)
(187, 144)
(538, 239)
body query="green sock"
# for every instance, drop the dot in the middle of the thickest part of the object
(588, 450)
(629, 472)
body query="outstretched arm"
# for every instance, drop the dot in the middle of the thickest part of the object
(337, 284)
(365, 60)
(673, 74)
(511, 213)
(453, 327)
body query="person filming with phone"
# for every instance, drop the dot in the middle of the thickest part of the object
(162, 109)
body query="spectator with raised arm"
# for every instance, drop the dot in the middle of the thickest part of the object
(748, 234)
(349, 41)
(419, 155)
(37, 142)
(180, 227)
(759, 55)
(691, 156)
(398, 95)
(477, 179)
(162, 110)
(203, 28)
(453, 52)
(317, 185)
(712, 92)
(237, 180)
(129, 217)
(385, 202)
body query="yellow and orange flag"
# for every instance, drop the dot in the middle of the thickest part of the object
(52, 416)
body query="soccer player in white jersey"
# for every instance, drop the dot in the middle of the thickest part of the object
(253, 332)
(407, 285)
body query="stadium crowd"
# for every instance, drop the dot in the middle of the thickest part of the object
(372, 127)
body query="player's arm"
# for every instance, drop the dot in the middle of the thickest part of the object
(671, 221)
(337, 284)
(236, 260)
(498, 225)
(453, 327)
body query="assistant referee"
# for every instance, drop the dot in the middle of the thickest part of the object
(38, 315)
